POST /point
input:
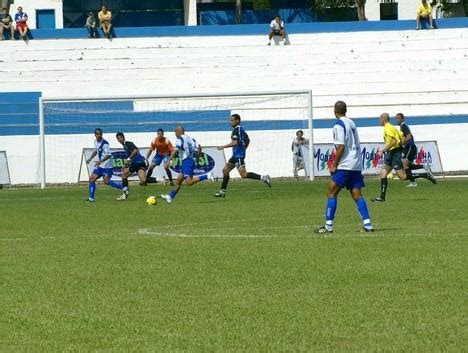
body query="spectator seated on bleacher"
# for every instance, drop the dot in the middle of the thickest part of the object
(21, 26)
(91, 25)
(424, 12)
(277, 29)
(105, 18)
(6, 23)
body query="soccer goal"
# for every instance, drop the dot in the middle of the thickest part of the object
(271, 120)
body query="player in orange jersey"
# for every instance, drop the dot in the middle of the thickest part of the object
(163, 148)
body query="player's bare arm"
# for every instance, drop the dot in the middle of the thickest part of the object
(232, 144)
(130, 156)
(168, 163)
(339, 153)
(91, 157)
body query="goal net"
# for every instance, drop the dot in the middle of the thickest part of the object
(271, 121)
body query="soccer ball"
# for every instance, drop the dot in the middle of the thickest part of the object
(151, 200)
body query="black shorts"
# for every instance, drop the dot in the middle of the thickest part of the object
(236, 162)
(393, 158)
(135, 167)
(410, 153)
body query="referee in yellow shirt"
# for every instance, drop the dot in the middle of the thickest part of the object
(424, 11)
(392, 159)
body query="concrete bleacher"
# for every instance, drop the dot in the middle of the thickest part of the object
(420, 73)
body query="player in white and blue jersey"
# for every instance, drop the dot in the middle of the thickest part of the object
(188, 150)
(102, 167)
(239, 143)
(346, 170)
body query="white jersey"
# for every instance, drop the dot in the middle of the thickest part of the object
(186, 146)
(345, 133)
(276, 26)
(103, 150)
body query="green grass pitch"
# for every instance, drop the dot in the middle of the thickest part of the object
(244, 273)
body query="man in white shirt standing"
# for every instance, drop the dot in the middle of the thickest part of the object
(346, 170)
(277, 29)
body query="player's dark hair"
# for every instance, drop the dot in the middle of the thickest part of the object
(4, 8)
(98, 130)
(236, 116)
(340, 107)
(300, 131)
(161, 130)
(401, 115)
(119, 134)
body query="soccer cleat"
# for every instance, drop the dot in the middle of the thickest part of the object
(89, 200)
(266, 180)
(122, 197)
(220, 194)
(430, 176)
(412, 185)
(167, 198)
(368, 229)
(378, 199)
(323, 230)
(171, 183)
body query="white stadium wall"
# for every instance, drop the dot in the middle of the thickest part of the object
(422, 73)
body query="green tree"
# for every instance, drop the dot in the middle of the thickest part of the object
(359, 4)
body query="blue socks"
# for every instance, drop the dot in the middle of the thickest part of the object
(331, 209)
(203, 177)
(330, 212)
(173, 194)
(116, 185)
(362, 208)
(91, 189)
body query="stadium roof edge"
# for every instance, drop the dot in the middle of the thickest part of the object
(255, 29)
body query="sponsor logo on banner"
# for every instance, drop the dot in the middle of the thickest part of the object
(423, 157)
(211, 160)
(324, 158)
(204, 164)
(372, 157)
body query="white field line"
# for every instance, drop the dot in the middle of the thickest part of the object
(148, 231)
(53, 237)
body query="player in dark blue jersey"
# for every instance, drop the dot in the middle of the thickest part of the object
(409, 154)
(239, 143)
(135, 163)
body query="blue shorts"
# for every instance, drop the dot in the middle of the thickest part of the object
(157, 159)
(188, 165)
(351, 179)
(102, 171)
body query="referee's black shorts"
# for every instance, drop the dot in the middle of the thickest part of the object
(393, 158)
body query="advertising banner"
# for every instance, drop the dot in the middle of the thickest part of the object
(4, 172)
(372, 157)
(211, 160)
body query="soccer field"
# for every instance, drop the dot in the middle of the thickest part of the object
(244, 273)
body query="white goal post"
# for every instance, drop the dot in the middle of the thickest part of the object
(4, 170)
(66, 126)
